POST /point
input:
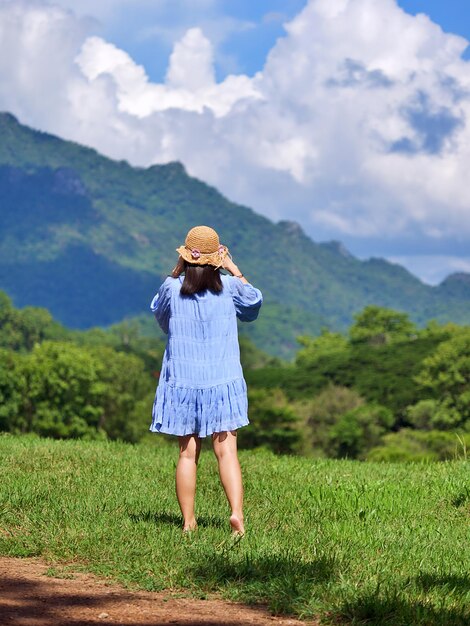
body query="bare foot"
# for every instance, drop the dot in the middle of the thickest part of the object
(236, 523)
(190, 526)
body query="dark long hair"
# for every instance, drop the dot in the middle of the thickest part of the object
(199, 278)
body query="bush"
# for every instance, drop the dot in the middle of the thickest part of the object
(274, 424)
(127, 394)
(359, 430)
(321, 413)
(12, 391)
(445, 375)
(415, 445)
(62, 390)
(434, 415)
(421, 414)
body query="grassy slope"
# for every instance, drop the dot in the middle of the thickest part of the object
(347, 541)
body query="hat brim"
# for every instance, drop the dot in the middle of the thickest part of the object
(213, 258)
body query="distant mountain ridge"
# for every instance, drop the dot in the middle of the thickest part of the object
(91, 239)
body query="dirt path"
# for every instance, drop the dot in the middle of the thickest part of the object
(30, 597)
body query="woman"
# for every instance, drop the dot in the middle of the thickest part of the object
(201, 391)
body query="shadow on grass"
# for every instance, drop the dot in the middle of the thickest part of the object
(285, 583)
(453, 584)
(171, 519)
(374, 610)
(462, 498)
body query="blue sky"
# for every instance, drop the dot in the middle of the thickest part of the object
(348, 116)
(243, 50)
(452, 15)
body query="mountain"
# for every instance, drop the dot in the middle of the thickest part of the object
(91, 239)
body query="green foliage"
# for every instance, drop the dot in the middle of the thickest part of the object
(422, 414)
(417, 446)
(432, 414)
(94, 383)
(12, 391)
(382, 374)
(66, 391)
(385, 374)
(445, 375)
(283, 376)
(253, 358)
(358, 430)
(62, 392)
(326, 344)
(22, 329)
(327, 369)
(323, 412)
(439, 331)
(422, 381)
(377, 326)
(338, 399)
(127, 394)
(130, 336)
(274, 424)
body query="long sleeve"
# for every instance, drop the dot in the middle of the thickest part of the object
(160, 305)
(246, 298)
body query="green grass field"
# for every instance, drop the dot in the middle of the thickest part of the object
(349, 542)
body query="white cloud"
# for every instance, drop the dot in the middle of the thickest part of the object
(347, 73)
(190, 84)
(358, 125)
(37, 48)
(191, 62)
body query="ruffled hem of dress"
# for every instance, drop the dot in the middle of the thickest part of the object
(202, 412)
(159, 428)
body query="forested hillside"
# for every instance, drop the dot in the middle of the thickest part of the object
(90, 239)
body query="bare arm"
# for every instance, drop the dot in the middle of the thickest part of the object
(230, 266)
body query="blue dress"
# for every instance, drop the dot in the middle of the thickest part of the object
(201, 389)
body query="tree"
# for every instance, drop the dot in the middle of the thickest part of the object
(314, 348)
(12, 391)
(273, 422)
(421, 415)
(359, 430)
(21, 329)
(377, 325)
(324, 410)
(63, 395)
(10, 334)
(63, 390)
(126, 389)
(445, 375)
(36, 325)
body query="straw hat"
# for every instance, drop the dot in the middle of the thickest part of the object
(202, 247)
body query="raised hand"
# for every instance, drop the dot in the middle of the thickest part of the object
(230, 266)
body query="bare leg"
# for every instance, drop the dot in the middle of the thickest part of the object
(190, 447)
(225, 448)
